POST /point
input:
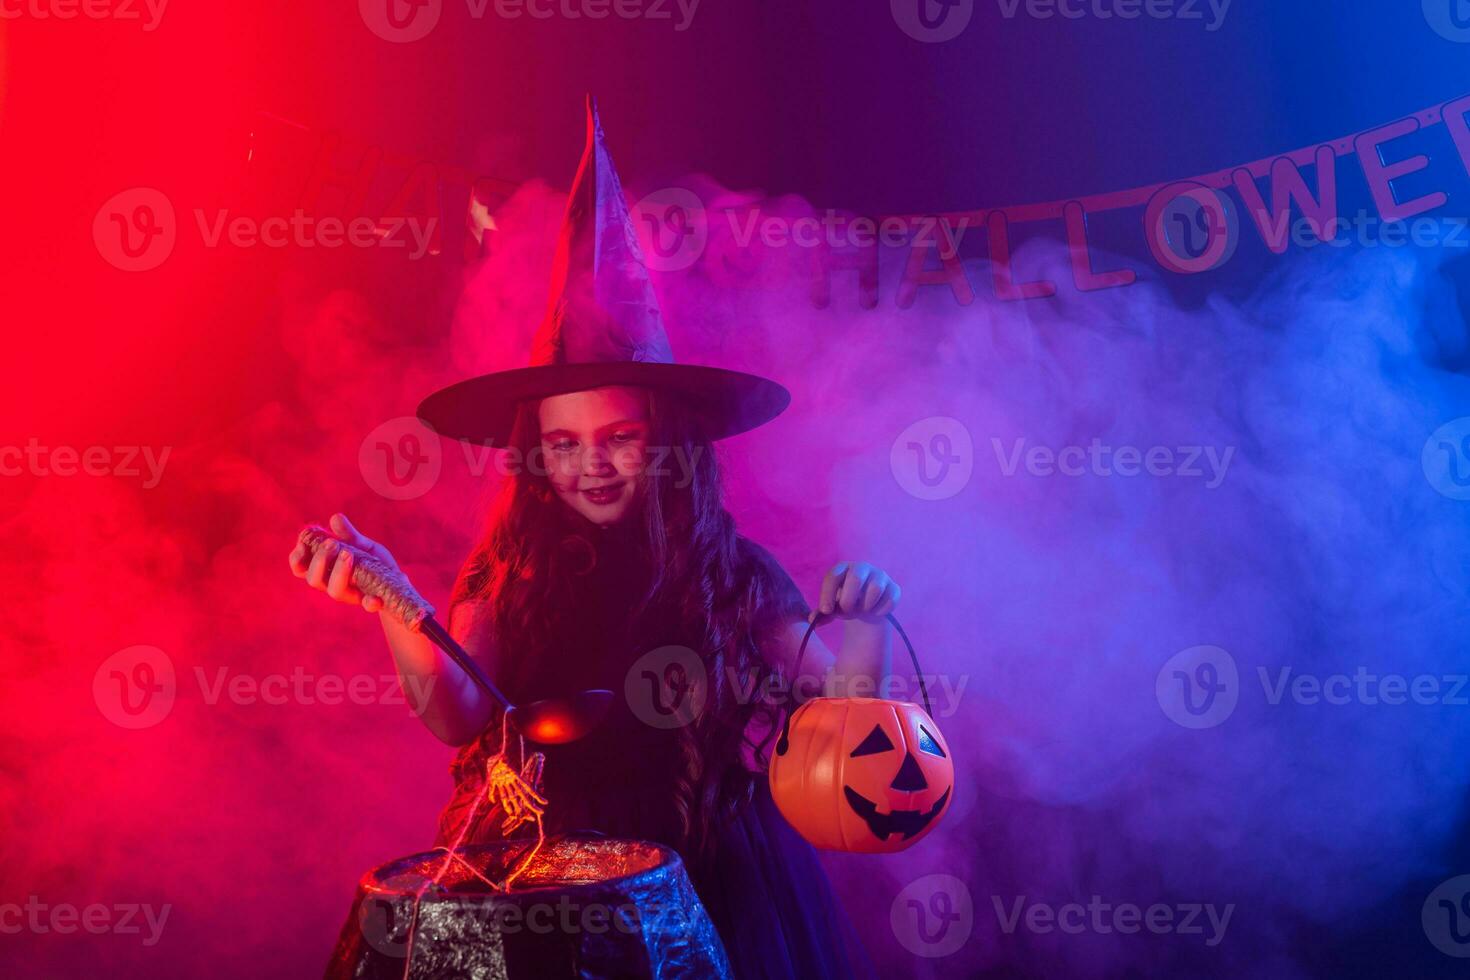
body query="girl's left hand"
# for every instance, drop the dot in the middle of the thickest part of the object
(858, 590)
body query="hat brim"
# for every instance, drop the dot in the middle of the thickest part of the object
(723, 403)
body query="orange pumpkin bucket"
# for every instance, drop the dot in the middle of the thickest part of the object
(862, 774)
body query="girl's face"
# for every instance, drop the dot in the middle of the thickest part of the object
(595, 444)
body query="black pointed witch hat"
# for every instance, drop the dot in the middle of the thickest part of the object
(603, 327)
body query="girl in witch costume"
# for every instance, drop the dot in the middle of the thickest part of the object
(617, 546)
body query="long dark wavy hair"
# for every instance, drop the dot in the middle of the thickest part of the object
(696, 583)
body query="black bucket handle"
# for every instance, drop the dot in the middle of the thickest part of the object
(818, 619)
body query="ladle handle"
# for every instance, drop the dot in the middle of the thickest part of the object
(430, 627)
(374, 577)
(401, 600)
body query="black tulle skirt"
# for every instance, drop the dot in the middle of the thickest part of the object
(767, 894)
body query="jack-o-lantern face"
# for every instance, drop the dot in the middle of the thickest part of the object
(862, 774)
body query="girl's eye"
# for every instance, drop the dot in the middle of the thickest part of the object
(624, 436)
(563, 445)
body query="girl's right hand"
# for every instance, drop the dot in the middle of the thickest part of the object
(330, 569)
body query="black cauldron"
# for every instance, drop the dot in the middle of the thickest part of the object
(582, 907)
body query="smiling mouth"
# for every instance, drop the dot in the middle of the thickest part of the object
(905, 822)
(604, 495)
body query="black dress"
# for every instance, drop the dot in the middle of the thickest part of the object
(761, 882)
